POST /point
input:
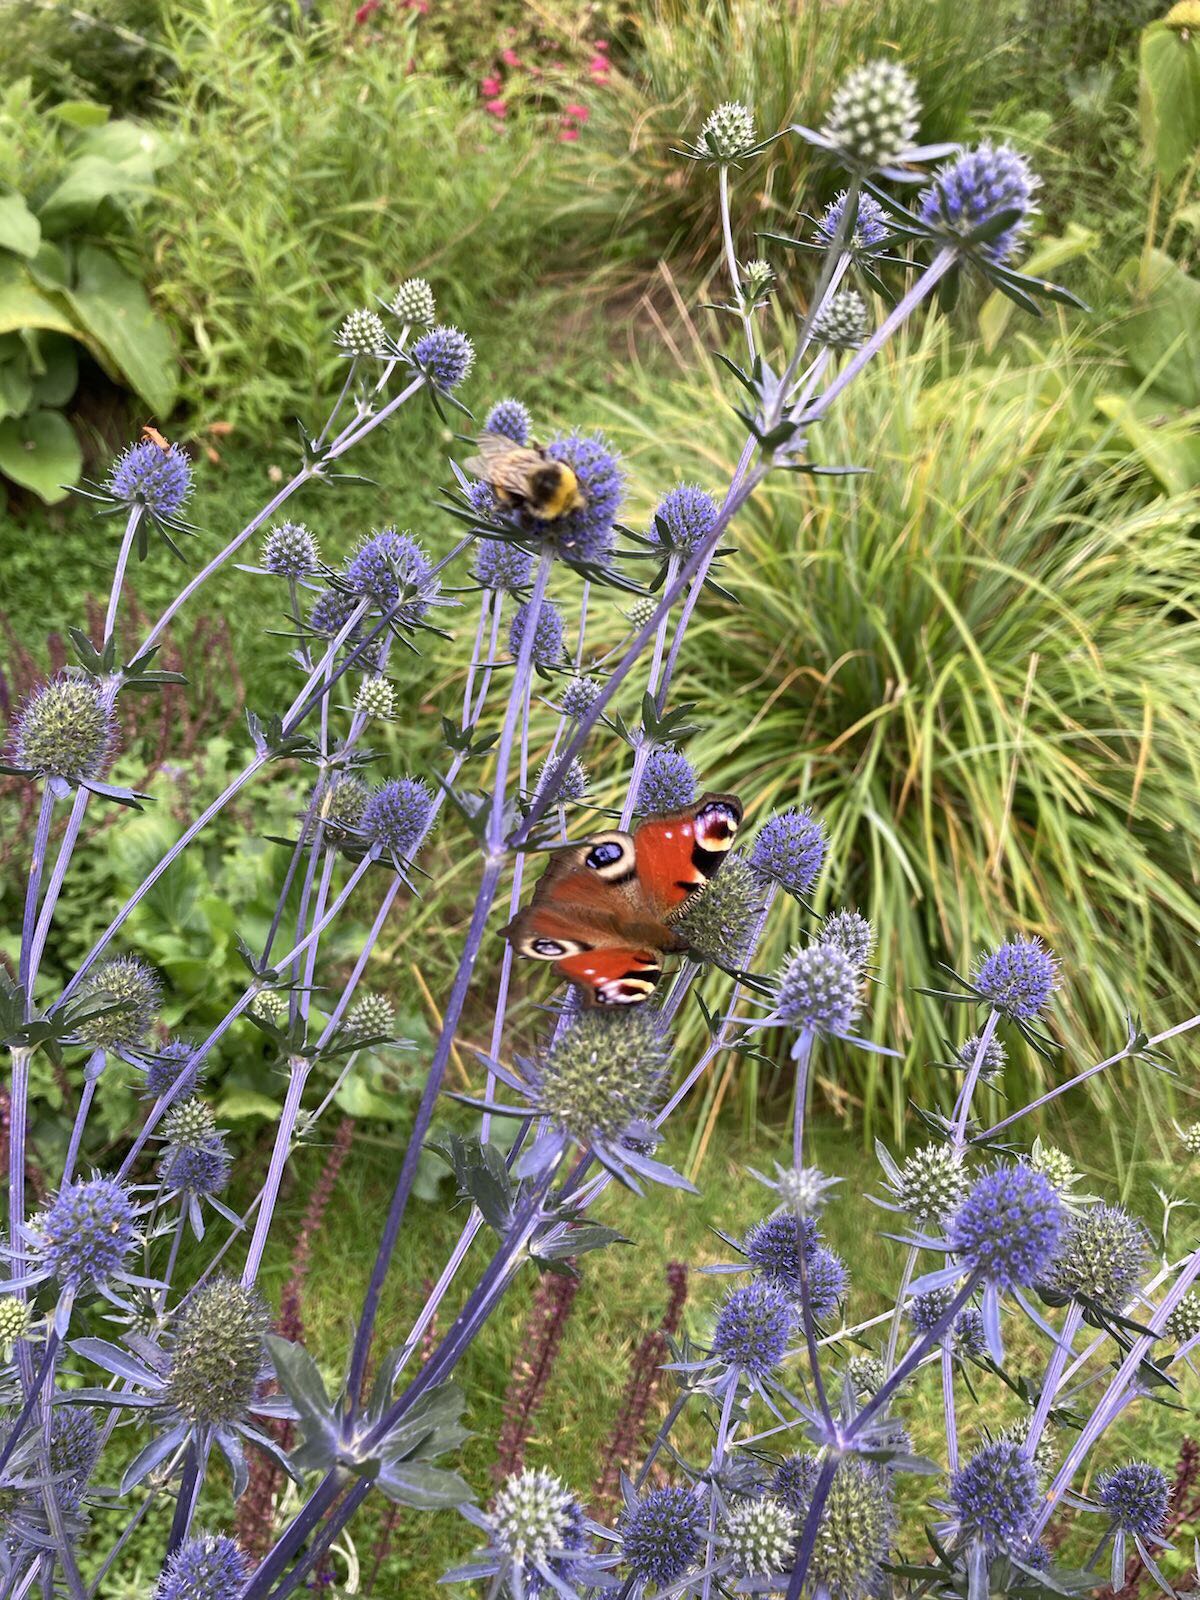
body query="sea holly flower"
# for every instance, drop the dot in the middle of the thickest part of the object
(393, 572)
(662, 1535)
(802, 1191)
(510, 419)
(929, 1185)
(851, 933)
(130, 994)
(1135, 1497)
(981, 203)
(759, 1539)
(727, 134)
(855, 1532)
(570, 786)
(872, 122)
(871, 226)
(819, 990)
(1183, 1321)
(772, 1248)
(413, 303)
(154, 480)
(720, 920)
(82, 1241)
(579, 696)
(994, 1497)
(843, 322)
(995, 1058)
(790, 851)
(1017, 980)
(362, 334)
(290, 551)
(208, 1566)
(548, 644)
(17, 1320)
(65, 735)
(539, 1541)
(1100, 1261)
(794, 1481)
(584, 537)
(668, 781)
(395, 818)
(201, 1385)
(684, 519)
(165, 1065)
(502, 566)
(754, 1329)
(445, 356)
(376, 697)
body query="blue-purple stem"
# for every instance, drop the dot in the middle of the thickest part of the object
(114, 597)
(962, 1110)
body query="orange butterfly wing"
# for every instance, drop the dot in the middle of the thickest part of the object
(677, 854)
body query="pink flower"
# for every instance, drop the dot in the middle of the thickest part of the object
(580, 113)
(489, 88)
(600, 78)
(601, 45)
(366, 11)
(510, 58)
(568, 135)
(598, 64)
(497, 109)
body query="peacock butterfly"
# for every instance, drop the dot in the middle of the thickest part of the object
(602, 911)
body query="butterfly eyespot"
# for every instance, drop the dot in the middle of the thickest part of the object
(605, 855)
(548, 947)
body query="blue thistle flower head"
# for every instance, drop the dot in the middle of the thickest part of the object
(208, 1566)
(579, 696)
(548, 648)
(819, 989)
(662, 1534)
(510, 419)
(1136, 1496)
(1102, 1257)
(74, 1449)
(754, 1327)
(585, 536)
(1018, 978)
(149, 476)
(828, 1281)
(790, 848)
(66, 729)
(290, 551)
(689, 514)
(1009, 1227)
(970, 1335)
(537, 1522)
(388, 564)
(668, 781)
(870, 223)
(996, 1495)
(86, 1232)
(794, 1481)
(502, 565)
(445, 355)
(200, 1169)
(773, 1247)
(133, 990)
(165, 1067)
(395, 816)
(330, 612)
(977, 186)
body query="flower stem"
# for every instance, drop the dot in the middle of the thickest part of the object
(962, 1110)
(37, 862)
(1054, 1370)
(114, 597)
(300, 1067)
(910, 1261)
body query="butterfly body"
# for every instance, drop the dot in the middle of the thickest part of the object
(525, 478)
(603, 912)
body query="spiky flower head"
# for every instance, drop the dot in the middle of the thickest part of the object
(149, 476)
(502, 566)
(728, 132)
(585, 535)
(87, 1231)
(760, 1537)
(854, 1533)
(932, 1182)
(547, 633)
(995, 1057)
(372, 1016)
(978, 187)
(217, 1353)
(330, 612)
(534, 1515)
(394, 572)
(1018, 978)
(668, 781)
(208, 1566)
(719, 921)
(1190, 1138)
(569, 786)
(362, 333)
(842, 322)
(758, 279)
(641, 612)
(1102, 1256)
(662, 1534)
(689, 515)
(873, 116)
(851, 932)
(579, 696)
(866, 1374)
(133, 989)
(74, 1448)
(397, 814)
(870, 229)
(828, 1280)
(65, 729)
(189, 1122)
(445, 355)
(16, 1322)
(794, 1481)
(970, 1335)
(1045, 1455)
(754, 1327)
(997, 1494)
(290, 551)
(1009, 1227)
(376, 697)
(603, 1073)
(1136, 1496)
(510, 419)
(413, 303)
(344, 803)
(819, 989)
(197, 1169)
(927, 1310)
(1183, 1322)
(171, 1062)
(802, 1191)
(790, 849)
(773, 1247)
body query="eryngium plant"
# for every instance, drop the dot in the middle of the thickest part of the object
(96, 1309)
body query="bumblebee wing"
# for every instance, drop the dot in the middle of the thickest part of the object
(505, 465)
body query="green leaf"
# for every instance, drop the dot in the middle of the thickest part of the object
(412, 1483)
(1162, 337)
(115, 312)
(40, 452)
(57, 381)
(81, 113)
(23, 305)
(237, 1103)
(1169, 447)
(88, 183)
(20, 230)
(1051, 254)
(1169, 89)
(135, 146)
(16, 386)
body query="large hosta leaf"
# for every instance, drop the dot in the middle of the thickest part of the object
(1162, 336)
(1170, 88)
(117, 319)
(24, 305)
(40, 452)
(20, 230)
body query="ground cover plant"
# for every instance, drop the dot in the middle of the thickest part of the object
(144, 1371)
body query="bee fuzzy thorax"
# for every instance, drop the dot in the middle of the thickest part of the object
(527, 479)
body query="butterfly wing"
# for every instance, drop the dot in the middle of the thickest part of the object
(586, 917)
(676, 855)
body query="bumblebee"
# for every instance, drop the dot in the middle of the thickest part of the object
(525, 478)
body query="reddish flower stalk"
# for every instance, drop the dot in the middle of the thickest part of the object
(256, 1508)
(552, 1302)
(629, 1429)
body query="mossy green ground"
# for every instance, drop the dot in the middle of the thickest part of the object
(622, 1298)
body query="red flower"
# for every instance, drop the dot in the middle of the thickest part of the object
(497, 109)
(578, 112)
(510, 58)
(365, 11)
(489, 88)
(568, 135)
(601, 45)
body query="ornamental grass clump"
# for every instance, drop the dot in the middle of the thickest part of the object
(800, 1433)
